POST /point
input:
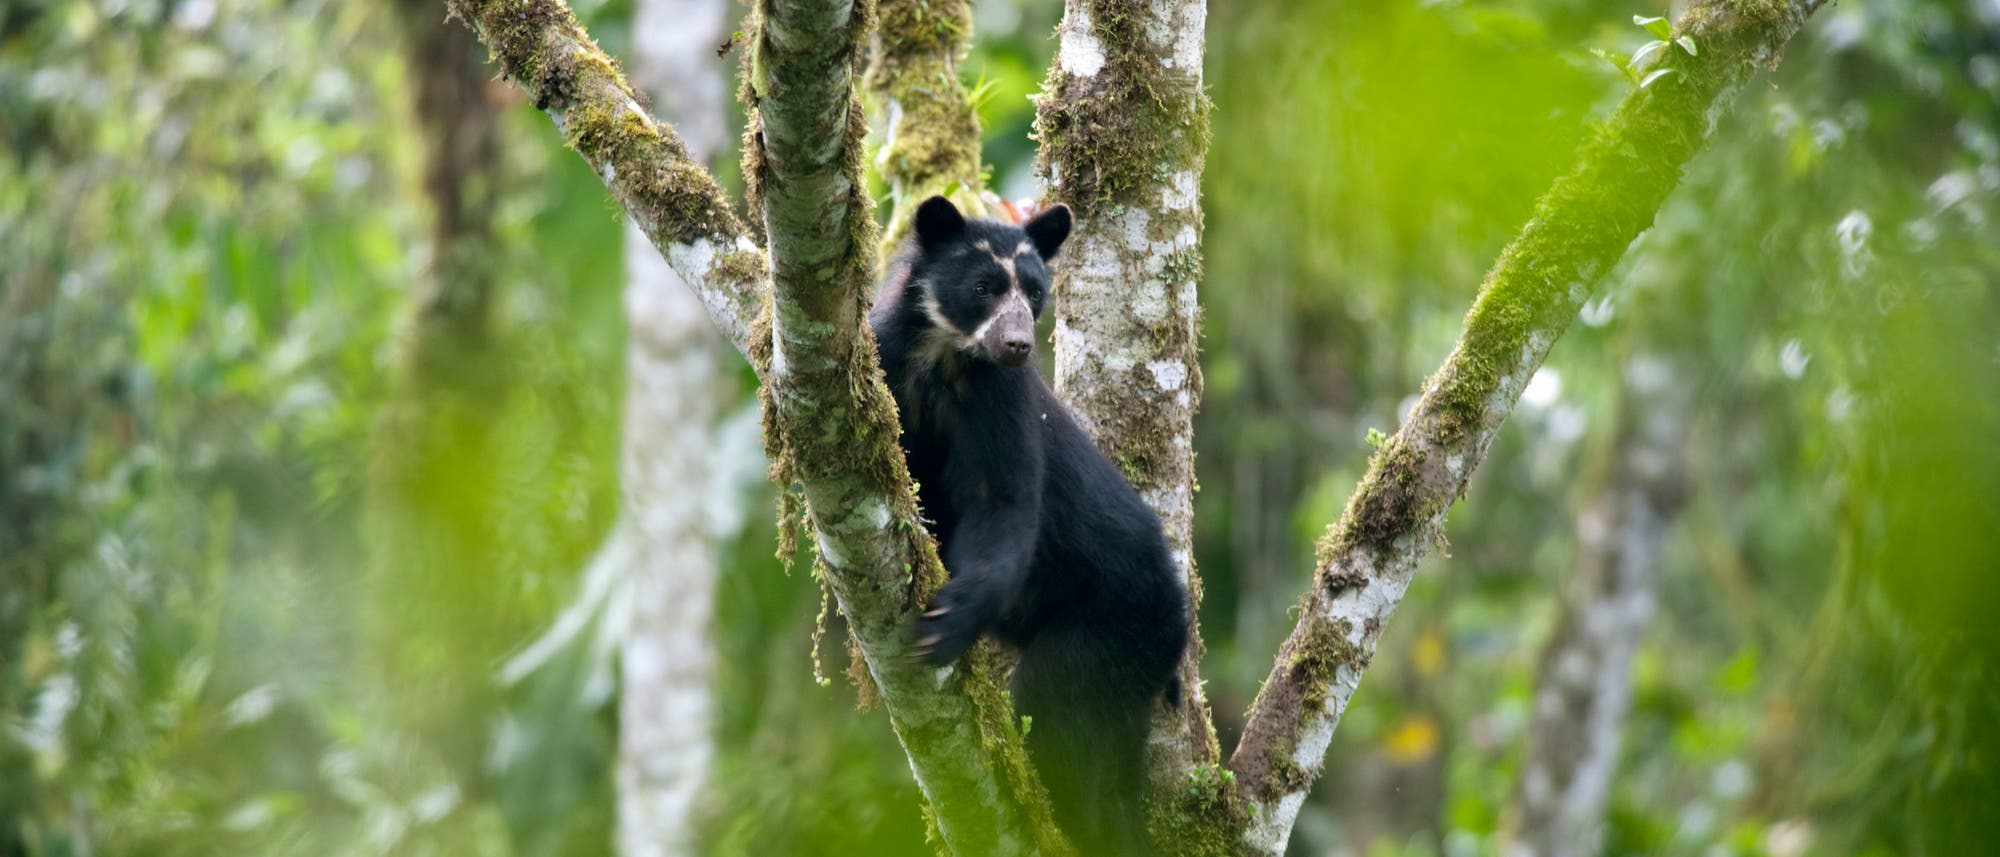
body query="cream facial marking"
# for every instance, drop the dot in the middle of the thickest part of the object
(934, 312)
(943, 337)
(1026, 248)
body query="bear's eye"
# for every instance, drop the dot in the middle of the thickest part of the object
(983, 288)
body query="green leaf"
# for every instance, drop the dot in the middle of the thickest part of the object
(1661, 28)
(1645, 51)
(1687, 44)
(1615, 60)
(1656, 75)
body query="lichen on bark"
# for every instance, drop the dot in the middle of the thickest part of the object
(1578, 230)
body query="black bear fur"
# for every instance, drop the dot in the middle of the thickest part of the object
(1049, 549)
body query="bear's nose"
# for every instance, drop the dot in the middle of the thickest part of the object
(1018, 347)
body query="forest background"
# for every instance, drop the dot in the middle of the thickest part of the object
(223, 630)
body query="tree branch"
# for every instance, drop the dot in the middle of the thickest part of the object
(1580, 228)
(642, 161)
(1123, 128)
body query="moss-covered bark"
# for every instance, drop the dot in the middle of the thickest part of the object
(1579, 229)
(932, 134)
(1123, 127)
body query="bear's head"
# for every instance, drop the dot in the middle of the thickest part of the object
(982, 282)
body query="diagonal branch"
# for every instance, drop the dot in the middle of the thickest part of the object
(1580, 228)
(642, 161)
(1123, 128)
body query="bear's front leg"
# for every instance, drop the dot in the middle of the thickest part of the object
(963, 610)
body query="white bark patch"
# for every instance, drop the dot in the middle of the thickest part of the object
(1134, 230)
(1181, 192)
(830, 551)
(1169, 374)
(1269, 832)
(692, 260)
(1080, 53)
(1149, 303)
(1186, 239)
(1188, 48)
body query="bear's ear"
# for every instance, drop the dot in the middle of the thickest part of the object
(938, 221)
(1048, 230)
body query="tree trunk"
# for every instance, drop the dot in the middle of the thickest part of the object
(430, 485)
(1123, 129)
(673, 390)
(1585, 678)
(460, 160)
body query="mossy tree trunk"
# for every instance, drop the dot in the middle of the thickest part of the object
(832, 425)
(675, 386)
(1123, 131)
(931, 135)
(1579, 229)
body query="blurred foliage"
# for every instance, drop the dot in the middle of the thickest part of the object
(218, 636)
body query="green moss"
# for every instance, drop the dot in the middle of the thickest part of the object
(1317, 659)
(867, 697)
(1203, 818)
(1392, 501)
(1002, 740)
(933, 147)
(1110, 134)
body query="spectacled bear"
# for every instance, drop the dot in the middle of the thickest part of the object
(1048, 548)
